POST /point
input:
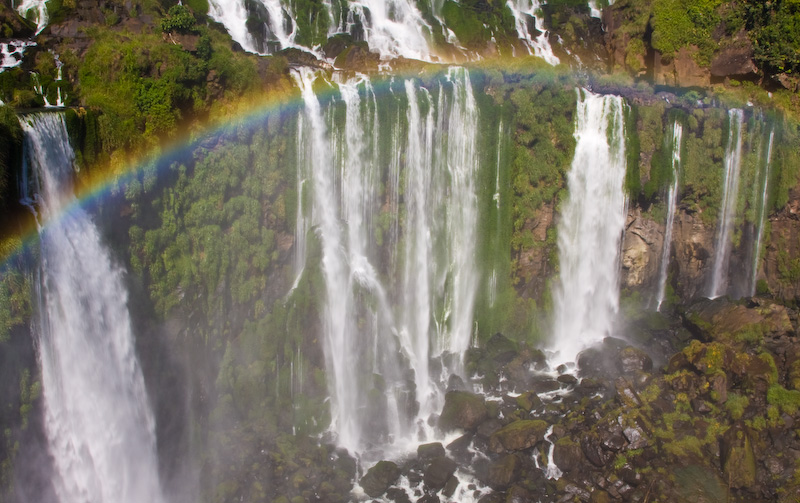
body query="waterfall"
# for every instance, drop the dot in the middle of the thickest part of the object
(672, 202)
(98, 421)
(394, 28)
(523, 10)
(727, 210)
(590, 229)
(232, 14)
(381, 332)
(39, 8)
(762, 214)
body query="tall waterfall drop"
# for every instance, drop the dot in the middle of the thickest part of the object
(762, 213)
(382, 334)
(589, 232)
(727, 210)
(98, 421)
(672, 202)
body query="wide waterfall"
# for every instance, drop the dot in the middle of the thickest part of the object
(589, 232)
(378, 329)
(672, 202)
(727, 212)
(98, 420)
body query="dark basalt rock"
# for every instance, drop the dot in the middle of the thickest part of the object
(427, 452)
(518, 435)
(567, 454)
(631, 360)
(504, 472)
(439, 472)
(379, 478)
(462, 410)
(501, 349)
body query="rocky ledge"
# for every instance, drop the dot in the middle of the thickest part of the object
(712, 420)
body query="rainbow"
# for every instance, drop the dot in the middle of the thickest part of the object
(245, 112)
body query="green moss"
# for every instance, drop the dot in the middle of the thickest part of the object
(788, 401)
(736, 405)
(684, 23)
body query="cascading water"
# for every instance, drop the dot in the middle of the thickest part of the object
(378, 357)
(39, 8)
(589, 232)
(672, 202)
(762, 214)
(523, 10)
(98, 421)
(727, 211)
(394, 28)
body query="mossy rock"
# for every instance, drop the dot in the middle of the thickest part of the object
(439, 472)
(430, 451)
(462, 410)
(504, 472)
(737, 457)
(379, 478)
(519, 435)
(501, 349)
(567, 454)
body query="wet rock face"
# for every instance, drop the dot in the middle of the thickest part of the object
(518, 436)
(735, 60)
(379, 478)
(694, 242)
(680, 70)
(641, 249)
(438, 472)
(462, 410)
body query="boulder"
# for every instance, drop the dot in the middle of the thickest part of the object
(594, 452)
(567, 454)
(631, 360)
(735, 60)
(504, 472)
(737, 458)
(519, 435)
(439, 472)
(501, 349)
(378, 478)
(462, 410)
(528, 401)
(426, 452)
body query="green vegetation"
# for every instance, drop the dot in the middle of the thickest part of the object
(685, 23)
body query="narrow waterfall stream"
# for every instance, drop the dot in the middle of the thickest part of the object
(727, 212)
(98, 420)
(762, 213)
(672, 202)
(586, 297)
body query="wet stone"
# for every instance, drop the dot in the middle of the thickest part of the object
(438, 472)
(427, 452)
(378, 478)
(568, 379)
